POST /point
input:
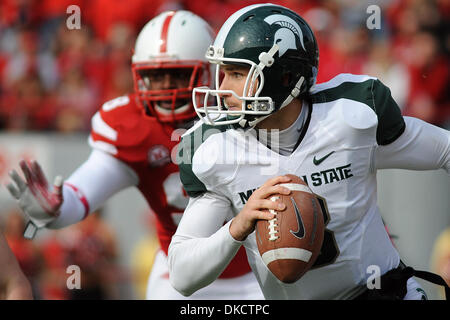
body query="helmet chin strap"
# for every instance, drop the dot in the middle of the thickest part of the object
(253, 123)
(294, 94)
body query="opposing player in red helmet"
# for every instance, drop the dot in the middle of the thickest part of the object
(166, 68)
(132, 144)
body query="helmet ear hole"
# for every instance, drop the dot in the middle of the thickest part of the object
(249, 17)
(286, 79)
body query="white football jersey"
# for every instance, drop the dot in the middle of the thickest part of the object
(349, 117)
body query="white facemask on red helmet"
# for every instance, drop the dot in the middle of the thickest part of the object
(169, 61)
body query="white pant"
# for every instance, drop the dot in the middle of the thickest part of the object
(415, 291)
(240, 288)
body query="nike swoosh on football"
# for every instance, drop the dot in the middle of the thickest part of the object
(300, 233)
(319, 161)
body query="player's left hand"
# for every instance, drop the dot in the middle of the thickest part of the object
(258, 207)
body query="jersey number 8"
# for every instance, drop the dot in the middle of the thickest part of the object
(329, 251)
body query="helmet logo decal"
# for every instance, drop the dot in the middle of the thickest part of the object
(286, 35)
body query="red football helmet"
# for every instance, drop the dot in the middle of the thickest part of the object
(169, 61)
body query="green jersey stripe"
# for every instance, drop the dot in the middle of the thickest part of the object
(189, 144)
(375, 95)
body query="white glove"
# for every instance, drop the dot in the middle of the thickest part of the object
(34, 197)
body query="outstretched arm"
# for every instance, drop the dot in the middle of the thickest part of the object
(96, 180)
(13, 283)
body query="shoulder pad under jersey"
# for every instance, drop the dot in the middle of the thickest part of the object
(372, 93)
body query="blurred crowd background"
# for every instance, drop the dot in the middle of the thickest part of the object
(53, 79)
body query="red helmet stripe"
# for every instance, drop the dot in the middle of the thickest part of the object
(165, 31)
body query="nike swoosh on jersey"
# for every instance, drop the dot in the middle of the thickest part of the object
(319, 161)
(300, 233)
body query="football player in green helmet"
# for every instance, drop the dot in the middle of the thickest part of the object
(280, 53)
(269, 113)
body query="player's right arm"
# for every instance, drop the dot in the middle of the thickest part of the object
(422, 146)
(101, 176)
(96, 180)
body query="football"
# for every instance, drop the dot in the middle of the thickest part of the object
(290, 243)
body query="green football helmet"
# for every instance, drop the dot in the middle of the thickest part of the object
(282, 54)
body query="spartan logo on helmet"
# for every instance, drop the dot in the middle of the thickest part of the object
(280, 50)
(288, 33)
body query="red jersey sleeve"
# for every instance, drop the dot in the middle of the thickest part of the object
(120, 129)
